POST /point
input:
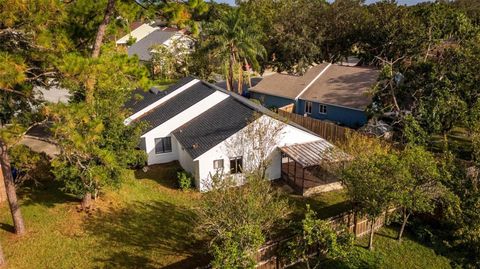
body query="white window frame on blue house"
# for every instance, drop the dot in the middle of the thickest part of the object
(322, 109)
(308, 107)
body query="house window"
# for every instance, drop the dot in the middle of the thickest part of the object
(236, 165)
(322, 109)
(308, 107)
(163, 145)
(218, 164)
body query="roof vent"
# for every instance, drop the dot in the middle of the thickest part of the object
(154, 90)
(194, 146)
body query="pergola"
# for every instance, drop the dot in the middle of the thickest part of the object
(303, 165)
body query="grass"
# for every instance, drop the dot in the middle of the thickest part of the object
(389, 253)
(148, 223)
(145, 224)
(328, 204)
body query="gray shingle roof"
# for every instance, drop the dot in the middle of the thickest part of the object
(213, 126)
(142, 47)
(143, 98)
(176, 105)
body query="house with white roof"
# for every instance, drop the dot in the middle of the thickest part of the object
(146, 36)
(203, 127)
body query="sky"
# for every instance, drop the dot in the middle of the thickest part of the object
(402, 2)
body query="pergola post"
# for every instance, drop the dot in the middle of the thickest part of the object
(303, 179)
(295, 172)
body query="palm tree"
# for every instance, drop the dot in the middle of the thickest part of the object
(237, 41)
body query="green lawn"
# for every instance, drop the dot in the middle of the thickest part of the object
(388, 253)
(146, 224)
(328, 204)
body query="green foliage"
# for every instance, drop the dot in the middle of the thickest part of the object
(96, 146)
(30, 165)
(170, 62)
(239, 219)
(185, 180)
(233, 41)
(316, 236)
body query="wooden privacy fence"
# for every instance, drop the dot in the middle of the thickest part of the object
(327, 130)
(268, 257)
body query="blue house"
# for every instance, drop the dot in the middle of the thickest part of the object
(332, 92)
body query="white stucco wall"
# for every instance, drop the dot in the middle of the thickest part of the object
(289, 135)
(165, 129)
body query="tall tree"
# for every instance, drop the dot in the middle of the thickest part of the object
(236, 41)
(102, 27)
(369, 178)
(420, 185)
(96, 145)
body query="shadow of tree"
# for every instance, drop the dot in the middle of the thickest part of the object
(144, 232)
(48, 194)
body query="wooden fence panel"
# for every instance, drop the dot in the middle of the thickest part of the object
(327, 130)
(267, 257)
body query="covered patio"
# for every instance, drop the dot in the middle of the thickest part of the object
(305, 167)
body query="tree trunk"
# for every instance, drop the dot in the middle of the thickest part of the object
(230, 73)
(372, 232)
(87, 201)
(240, 79)
(404, 223)
(247, 67)
(101, 29)
(2, 258)
(10, 188)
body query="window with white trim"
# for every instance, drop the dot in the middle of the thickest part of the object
(322, 109)
(218, 164)
(308, 107)
(163, 145)
(236, 165)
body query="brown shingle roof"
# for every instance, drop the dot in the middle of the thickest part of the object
(343, 86)
(285, 85)
(338, 85)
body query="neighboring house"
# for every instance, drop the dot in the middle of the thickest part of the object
(136, 34)
(200, 125)
(332, 92)
(147, 36)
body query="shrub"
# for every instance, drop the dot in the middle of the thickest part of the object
(185, 180)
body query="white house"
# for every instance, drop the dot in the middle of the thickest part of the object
(137, 34)
(147, 36)
(208, 129)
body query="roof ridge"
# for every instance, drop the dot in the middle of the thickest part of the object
(313, 81)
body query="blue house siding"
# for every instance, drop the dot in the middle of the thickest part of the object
(270, 101)
(349, 117)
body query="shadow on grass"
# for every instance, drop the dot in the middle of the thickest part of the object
(141, 231)
(163, 174)
(7, 227)
(48, 194)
